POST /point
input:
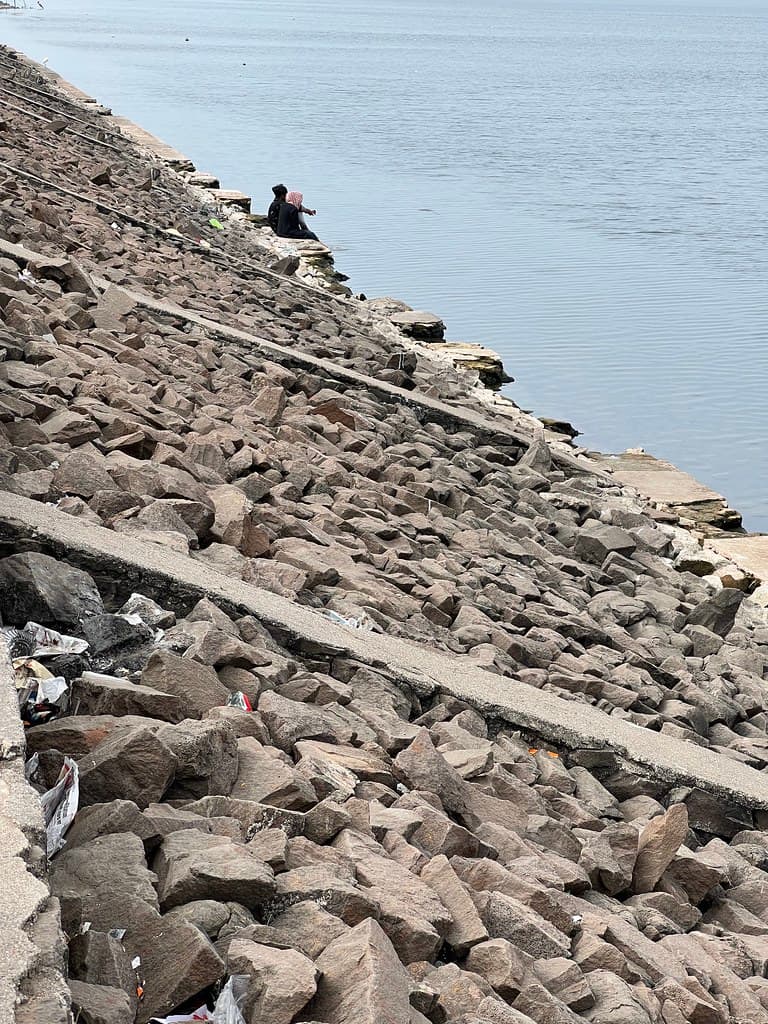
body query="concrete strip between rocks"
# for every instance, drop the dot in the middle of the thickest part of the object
(25, 895)
(170, 576)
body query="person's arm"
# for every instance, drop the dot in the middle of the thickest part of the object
(310, 212)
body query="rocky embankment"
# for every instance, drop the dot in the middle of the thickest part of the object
(356, 847)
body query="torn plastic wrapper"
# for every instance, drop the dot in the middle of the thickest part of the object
(363, 621)
(36, 641)
(238, 699)
(228, 1008)
(59, 803)
(42, 696)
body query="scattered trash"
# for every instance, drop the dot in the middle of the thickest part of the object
(533, 750)
(228, 1008)
(42, 696)
(26, 277)
(36, 641)
(216, 224)
(238, 699)
(362, 622)
(59, 803)
(117, 933)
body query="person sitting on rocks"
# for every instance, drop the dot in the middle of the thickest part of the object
(289, 224)
(273, 213)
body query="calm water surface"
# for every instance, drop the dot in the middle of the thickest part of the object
(578, 183)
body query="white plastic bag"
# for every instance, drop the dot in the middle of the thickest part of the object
(59, 805)
(228, 1008)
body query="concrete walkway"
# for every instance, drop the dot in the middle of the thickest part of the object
(169, 576)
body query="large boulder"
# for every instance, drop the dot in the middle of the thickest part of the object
(191, 865)
(718, 613)
(197, 685)
(659, 842)
(38, 588)
(132, 764)
(362, 980)
(207, 758)
(268, 776)
(281, 981)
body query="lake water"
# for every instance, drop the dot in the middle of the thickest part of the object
(579, 184)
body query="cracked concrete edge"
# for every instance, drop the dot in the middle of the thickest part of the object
(125, 563)
(31, 959)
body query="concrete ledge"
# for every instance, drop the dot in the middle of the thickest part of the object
(29, 971)
(126, 562)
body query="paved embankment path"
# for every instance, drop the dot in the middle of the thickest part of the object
(27, 523)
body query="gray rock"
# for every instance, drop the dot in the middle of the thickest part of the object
(38, 588)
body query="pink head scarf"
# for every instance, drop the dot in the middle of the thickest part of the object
(295, 199)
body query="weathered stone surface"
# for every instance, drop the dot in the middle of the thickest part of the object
(99, 959)
(105, 695)
(282, 981)
(106, 867)
(362, 980)
(38, 588)
(409, 911)
(507, 918)
(104, 819)
(503, 965)
(466, 929)
(718, 613)
(196, 685)
(309, 928)
(268, 776)
(207, 757)
(659, 842)
(131, 763)
(191, 865)
(99, 1004)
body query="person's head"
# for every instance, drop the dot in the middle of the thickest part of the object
(295, 198)
(280, 191)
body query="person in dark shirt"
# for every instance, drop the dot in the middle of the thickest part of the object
(288, 221)
(273, 214)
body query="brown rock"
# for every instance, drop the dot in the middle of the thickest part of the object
(131, 763)
(309, 928)
(503, 965)
(659, 842)
(191, 865)
(564, 979)
(281, 983)
(99, 1004)
(98, 694)
(207, 757)
(362, 981)
(410, 912)
(267, 775)
(197, 685)
(466, 929)
(508, 918)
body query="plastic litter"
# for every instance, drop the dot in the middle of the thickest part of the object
(42, 696)
(228, 1008)
(362, 622)
(36, 641)
(59, 803)
(238, 699)
(216, 224)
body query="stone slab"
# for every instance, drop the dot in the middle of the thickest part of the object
(658, 480)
